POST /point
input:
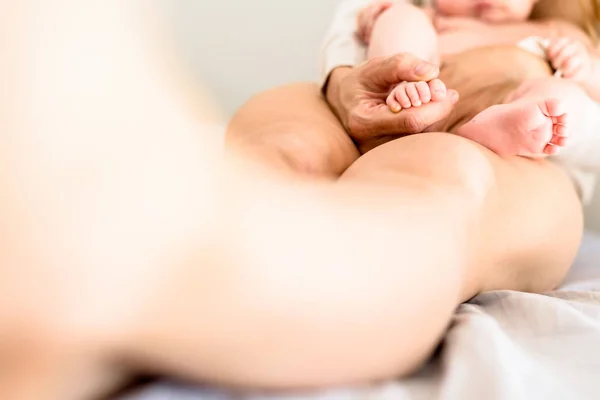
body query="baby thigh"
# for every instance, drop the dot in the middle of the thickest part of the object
(404, 28)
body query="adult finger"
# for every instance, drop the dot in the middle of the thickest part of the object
(413, 120)
(383, 73)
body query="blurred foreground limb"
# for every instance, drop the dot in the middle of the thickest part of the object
(128, 245)
(100, 147)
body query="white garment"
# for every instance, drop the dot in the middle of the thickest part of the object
(342, 48)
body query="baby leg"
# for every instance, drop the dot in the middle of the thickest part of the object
(406, 28)
(537, 119)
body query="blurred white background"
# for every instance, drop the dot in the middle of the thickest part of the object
(242, 47)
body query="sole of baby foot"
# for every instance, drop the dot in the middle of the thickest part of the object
(528, 127)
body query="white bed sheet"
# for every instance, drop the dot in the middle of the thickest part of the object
(501, 346)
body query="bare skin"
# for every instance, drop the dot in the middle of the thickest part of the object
(127, 247)
(358, 99)
(534, 124)
(528, 127)
(278, 144)
(462, 176)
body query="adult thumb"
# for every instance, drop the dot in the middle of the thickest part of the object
(387, 72)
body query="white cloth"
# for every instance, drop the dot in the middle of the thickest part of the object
(341, 47)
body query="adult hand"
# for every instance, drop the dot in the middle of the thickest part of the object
(358, 97)
(368, 16)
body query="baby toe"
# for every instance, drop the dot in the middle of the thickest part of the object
(393, 104)
(402, 97)
(560, 141)
(554, 108)
(551, 150)
(560, 130)
(424, 92)
(413, 95)
(438, 90)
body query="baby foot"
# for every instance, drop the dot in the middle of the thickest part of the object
(415, 94)
(528, 127)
